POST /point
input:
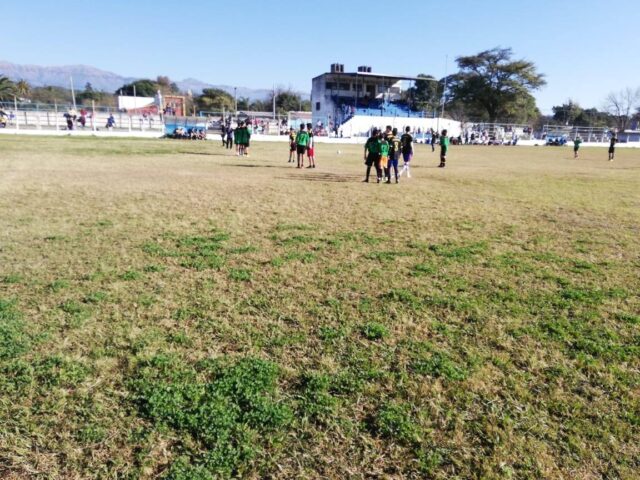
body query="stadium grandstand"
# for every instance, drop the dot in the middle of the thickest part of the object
(351, 102)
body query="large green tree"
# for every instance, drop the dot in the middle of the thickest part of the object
(215, 99)
(495, 87)
(143, 88)
(287, 101)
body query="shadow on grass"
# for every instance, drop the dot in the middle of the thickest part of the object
(324, 177)
(255, 165)
(204, 153)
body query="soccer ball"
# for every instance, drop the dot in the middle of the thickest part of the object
(338, 152)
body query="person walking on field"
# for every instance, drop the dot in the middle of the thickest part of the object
(302, 140)
(576, 146)
(612, 146)
(444, 148)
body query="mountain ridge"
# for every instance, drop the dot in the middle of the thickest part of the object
(59, 76)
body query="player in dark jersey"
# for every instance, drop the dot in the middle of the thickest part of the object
(406, 145)
(372, 154)
(394, 154)
(612, 146)
(292, 144)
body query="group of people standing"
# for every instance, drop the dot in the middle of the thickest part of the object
(301, 143)
(383, 149)
(577, 141)
(239, 136)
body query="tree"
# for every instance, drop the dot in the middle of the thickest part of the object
(567, 113)
(166, 86)
(286, 101)
(50, 94)
(7, 89)
(620, 105)
(493, 86)
(143, 88)
(23, 89)
(425, 93)
(243, 103)
(89, 94)
(215, 99)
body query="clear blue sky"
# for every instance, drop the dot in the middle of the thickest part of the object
(586, 48)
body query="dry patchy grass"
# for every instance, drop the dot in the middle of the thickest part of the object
(168, 310)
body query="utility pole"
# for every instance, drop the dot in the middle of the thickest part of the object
(235, 99)
(73, 93)
(446, 59)
(274, 101)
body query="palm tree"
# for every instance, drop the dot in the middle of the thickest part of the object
(23, 88)
(7, 88)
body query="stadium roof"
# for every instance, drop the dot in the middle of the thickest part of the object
(375, 75)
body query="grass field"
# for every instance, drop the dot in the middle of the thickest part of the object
(169, 311)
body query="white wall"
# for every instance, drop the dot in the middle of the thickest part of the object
(360, 125)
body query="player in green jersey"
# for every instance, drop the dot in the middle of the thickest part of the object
(444, 148)
(576, 146)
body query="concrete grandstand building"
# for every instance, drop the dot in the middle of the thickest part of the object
(353, 102)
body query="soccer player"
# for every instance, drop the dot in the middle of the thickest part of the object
(394, 153)
(384, 157)
(434, 139)
(302, 140)
(612, 146)
(406, 145)
(229, 137)
(311, 147)
(247, 137)
(292, 144)
(238, 138)
(372, 154)
(576, 146)
(444, 148)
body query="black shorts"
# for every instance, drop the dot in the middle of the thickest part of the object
(301, 149)
(612, 150)
(292, 147)
(372, 159)
(247, 144)
(575, 149)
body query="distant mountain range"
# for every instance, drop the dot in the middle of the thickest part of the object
(39, 76)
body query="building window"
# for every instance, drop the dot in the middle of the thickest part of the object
(317, 106)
